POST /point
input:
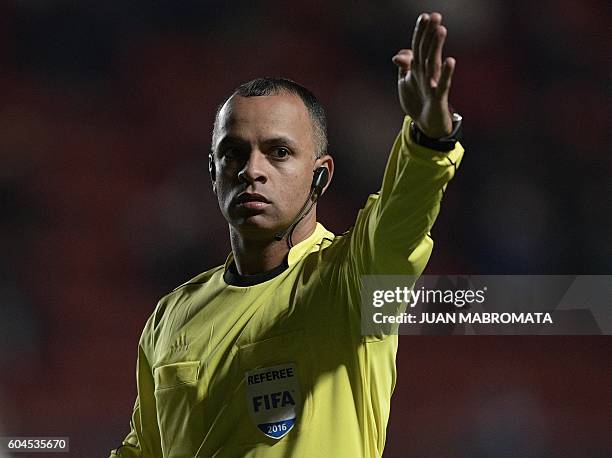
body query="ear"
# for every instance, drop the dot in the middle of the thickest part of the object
(212, 170)
(328, 162)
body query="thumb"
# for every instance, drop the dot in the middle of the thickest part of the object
(403, 60)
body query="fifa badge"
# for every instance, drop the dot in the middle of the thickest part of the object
(273, 398)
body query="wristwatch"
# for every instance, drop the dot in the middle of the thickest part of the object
(440, 144)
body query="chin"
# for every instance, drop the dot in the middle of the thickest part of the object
(256, 225)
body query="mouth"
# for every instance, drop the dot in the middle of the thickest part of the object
(252, 201)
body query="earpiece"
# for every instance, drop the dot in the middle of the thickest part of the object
(320, 179)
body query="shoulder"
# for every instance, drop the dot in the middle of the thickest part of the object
(168, 303)
(189, 287)
(198, 280)
(341, 241)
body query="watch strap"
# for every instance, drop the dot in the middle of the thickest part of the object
(446, 143)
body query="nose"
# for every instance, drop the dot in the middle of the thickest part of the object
(254, 169)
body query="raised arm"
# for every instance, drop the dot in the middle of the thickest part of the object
(391, 234)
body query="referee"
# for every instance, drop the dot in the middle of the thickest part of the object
(263, 356)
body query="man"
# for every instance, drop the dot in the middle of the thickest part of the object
(264, 356)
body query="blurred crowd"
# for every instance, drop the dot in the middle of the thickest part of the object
(106, 110)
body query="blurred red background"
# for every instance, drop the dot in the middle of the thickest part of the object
(105, 121)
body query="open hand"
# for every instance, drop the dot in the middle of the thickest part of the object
(423, 80)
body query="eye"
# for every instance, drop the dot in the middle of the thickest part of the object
(230, 153)
(280, 152)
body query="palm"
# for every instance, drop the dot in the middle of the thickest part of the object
(423, 81)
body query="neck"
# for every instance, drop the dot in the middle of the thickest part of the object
(255, 253)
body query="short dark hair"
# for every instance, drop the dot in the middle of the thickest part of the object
(274, 85)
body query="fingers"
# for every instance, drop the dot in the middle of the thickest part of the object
(417, 36)
(446, 77)
(403, 60)
(434, 56)
(428, 36)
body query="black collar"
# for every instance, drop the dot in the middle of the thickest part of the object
(232, 277)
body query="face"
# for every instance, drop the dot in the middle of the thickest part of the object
(264, 157)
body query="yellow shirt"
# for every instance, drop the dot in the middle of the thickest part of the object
(281, 368)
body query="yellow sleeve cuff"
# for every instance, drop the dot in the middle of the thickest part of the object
(435, 157)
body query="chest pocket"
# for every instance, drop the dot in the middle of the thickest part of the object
(177, 374)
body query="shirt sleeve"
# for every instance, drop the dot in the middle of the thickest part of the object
(143, 440)
(391, 235)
